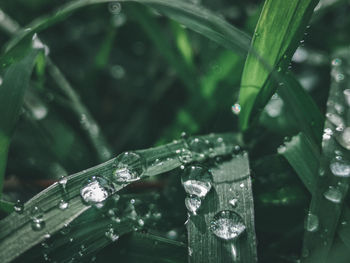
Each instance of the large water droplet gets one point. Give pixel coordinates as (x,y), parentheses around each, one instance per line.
(193,203)
(38,222)
(333,194)
(96,190)
(340,167)
(227,225)
(274,107)
(199,148)
(197,180)
(311,223)
(130,166)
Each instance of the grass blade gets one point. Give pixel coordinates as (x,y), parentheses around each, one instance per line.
(15,81)
(231,181)
(277,35)
(332,187)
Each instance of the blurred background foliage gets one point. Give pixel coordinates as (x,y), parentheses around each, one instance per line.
(145,79)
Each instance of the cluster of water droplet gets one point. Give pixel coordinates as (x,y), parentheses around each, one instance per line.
(197,182)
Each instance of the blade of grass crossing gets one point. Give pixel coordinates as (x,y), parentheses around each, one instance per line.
(332,186)
(232,192)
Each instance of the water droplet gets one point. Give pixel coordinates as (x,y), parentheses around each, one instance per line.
(114,7)
(236,108)
(197,180)
(227,225)
(141,222)
(193,203)
(333,194)
(117,71)
(38,222)
(336,62)
(18,207)
(63,205)
(111,235)
(274,107)
(96,190)
(190,251)
(130,166)
(311,223)
(339,77)
(233,202)
(340,167)
(327,134)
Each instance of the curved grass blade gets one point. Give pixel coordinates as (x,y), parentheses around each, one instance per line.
(332,186)
(16,233)
(15,81)
(277,35)
(194,17)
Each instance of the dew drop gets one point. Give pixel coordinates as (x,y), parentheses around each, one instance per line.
(38,222)
(227,225)
(18,207)
(193,203)
(197,180)
(336,62)
(340,167)
(347,96)
(274,107)
(130,166)
(63,205)
(199,148)
(333,194)
(96,190)
(311,223)
(236,108)
(233,202)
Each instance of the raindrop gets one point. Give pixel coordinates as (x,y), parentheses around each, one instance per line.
(193,203)
(236,108)
(63,182)
(38,222)
(18,207)
(327,133)
(274,107)
(63,205)
(227,225)
(333,194)
(190,251)
(130,166)
(114,8)
(340,167)
(233,202)
(197,180)
(336,62)
(311,223)
(96,190)
(111,235)
(339,77)
(117,72)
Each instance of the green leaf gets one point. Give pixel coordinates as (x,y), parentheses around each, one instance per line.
(15,81)
(277,35)
(231,181)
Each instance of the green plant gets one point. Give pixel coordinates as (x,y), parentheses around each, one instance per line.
(65,105)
